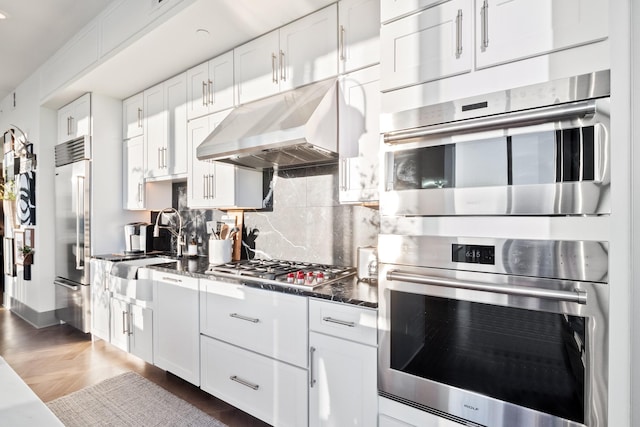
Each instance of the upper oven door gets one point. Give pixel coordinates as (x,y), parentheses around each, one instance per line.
(548,161)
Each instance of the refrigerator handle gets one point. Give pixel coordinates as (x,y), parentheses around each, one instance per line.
(79,212)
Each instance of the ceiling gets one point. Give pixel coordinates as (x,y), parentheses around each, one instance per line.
(34,30)
(169,49)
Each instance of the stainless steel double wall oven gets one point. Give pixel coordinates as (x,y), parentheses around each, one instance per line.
(486,330)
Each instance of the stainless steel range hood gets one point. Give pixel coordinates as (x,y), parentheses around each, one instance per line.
(294,128)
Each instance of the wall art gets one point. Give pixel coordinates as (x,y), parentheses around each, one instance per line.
(27,198)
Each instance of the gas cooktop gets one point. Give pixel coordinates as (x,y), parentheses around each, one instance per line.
(295,274)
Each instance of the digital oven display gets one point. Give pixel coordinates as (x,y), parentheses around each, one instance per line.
(473,254)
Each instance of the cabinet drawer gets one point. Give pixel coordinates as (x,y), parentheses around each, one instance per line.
(265,388)
(270,323)
(175,279)
(344,321)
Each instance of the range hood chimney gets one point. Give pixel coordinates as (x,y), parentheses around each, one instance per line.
(291,129)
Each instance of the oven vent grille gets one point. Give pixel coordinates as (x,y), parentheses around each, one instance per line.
(424,408)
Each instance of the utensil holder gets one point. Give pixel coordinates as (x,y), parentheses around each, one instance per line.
(220,251)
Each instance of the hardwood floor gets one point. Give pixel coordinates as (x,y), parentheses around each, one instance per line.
(58,360)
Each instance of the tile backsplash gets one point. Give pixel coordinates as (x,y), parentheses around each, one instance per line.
(305,221)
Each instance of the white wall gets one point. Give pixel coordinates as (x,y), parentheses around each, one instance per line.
(40,126)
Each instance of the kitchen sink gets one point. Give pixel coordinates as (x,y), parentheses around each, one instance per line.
(125,281)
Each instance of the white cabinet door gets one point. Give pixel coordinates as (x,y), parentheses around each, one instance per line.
(100,298)
(297,54)
(256,68)
(429,45)
(359,136)
(140,330)
(343,386)
(119,320)
(175,95)
(308,49)
(197,81)
(165,135)
(359,34)
(74,119)
(268,389)
(220,91)
(133,169)
(176,325)
(155,131)
(518,29)
(132,114)
(201,189)
(216,184)
(210,86)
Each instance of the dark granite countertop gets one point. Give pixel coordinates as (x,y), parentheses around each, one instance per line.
(350,291)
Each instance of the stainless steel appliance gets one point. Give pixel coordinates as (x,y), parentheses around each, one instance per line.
(293,128)
(537,150)
(138,237)
(495,332)
(295,274)
(72,243)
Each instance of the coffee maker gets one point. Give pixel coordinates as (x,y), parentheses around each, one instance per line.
(138,237)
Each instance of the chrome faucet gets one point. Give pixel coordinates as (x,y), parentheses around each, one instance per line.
(178,234)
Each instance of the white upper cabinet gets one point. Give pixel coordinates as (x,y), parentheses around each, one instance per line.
(165,136)
(132,116)
(133,173)
(429,45)
(210,86)
(393,9)
(74,119)
(358,34)
(302,52)
(216,184)
(359,136)
(518,29)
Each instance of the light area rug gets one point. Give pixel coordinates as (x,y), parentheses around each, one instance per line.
(128,400)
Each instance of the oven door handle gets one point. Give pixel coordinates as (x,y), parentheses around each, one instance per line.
(575,296)
(516,119)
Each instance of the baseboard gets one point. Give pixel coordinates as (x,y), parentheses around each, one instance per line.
(37,319)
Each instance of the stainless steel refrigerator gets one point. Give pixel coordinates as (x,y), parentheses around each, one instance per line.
(72,234)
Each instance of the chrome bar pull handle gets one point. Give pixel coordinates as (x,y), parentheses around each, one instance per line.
(140,192)
(210,90)
(171,279)
(130,324)
(274,68)
(124,322)
(212,187)
(312,380)
(139,117)
(342,53)
(459,34)
(575,296)
(244,382)
(339,322)
(245,318)
(484,11)
(79,216)
(204,94)
(283,68)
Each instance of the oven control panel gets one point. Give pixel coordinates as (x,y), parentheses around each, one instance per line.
(473,254)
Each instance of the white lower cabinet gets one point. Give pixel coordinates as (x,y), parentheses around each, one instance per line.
(254,350)
(131,328)
(176,328)
(100,298)
(343,388)
(268,389)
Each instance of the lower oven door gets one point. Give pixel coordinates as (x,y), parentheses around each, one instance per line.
(494,349)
